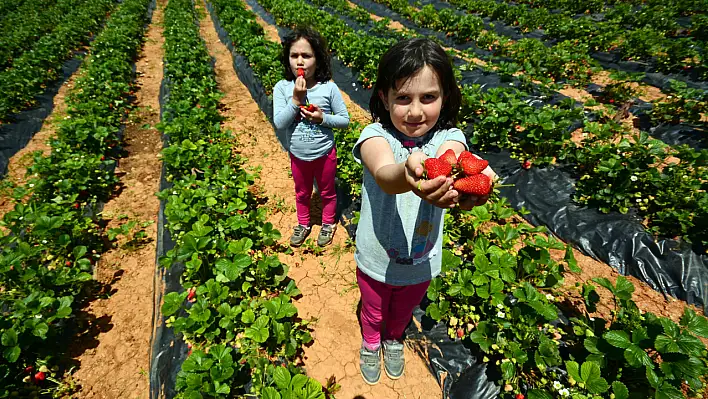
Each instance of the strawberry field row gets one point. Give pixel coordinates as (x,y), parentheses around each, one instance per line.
(236,312)
(19,36)
(645,43)
(53,236)
(499,291)
(42,63)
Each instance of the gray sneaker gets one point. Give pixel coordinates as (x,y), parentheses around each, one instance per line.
(393,359)
(326,234)
(301,232)
(370,365)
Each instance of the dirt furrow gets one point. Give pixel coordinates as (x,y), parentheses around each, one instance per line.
(114,361)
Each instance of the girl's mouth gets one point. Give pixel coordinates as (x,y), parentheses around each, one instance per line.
(413,125)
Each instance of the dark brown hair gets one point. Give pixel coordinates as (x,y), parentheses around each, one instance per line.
(323,68)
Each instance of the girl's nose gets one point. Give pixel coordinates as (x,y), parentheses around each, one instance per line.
(415,109)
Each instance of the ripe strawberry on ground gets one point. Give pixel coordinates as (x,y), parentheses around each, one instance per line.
(519,396)
(449,157)
(460,333)
(479,185)
(435,167)
(472,165)
(526,164)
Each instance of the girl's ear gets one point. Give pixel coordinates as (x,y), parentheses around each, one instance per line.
(384,100)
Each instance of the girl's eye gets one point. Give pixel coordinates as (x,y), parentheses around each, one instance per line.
(401,98)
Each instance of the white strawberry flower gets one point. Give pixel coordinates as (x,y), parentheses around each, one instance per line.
(550,297)
(557,385)
(633,178)
(564,392)
(501,314)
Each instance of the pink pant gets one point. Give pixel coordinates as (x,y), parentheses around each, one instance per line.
(322,169)
(391,305)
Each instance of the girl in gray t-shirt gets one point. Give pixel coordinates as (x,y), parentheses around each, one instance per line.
(415,103)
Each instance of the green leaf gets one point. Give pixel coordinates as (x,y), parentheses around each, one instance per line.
(624,289)
(281,376)
(636,356)
(508,370)
(570,259)
(668,392)
(696,324)
(270,393)
(653,379)
(620,390)
(172,303)
(538,394)
(574,370)
(590,374)
(298,382)
(666,344)
(9,337)
(618,339)
(40,330)
(12,354)
(248,317)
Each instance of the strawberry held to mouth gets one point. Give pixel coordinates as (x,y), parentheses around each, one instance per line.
(300,72)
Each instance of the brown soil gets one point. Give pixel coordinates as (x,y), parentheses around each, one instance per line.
(115,363)
(327,281)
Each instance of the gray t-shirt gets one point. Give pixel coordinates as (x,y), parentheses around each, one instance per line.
(304,139)
(399,237)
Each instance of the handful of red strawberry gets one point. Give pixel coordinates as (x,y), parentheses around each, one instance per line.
(465,170)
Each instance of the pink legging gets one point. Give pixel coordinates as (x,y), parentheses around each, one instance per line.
(387,304)
(322,169)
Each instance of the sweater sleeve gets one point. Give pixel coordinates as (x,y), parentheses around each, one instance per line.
(284,111)
(340,116)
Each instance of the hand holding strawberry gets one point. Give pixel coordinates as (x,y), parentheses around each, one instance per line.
(312,113)
(467,172)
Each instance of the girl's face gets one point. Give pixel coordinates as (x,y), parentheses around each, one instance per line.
(302,56)
(415,106)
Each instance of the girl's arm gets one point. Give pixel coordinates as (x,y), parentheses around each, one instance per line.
(398,178)
(284,111)
(340,116)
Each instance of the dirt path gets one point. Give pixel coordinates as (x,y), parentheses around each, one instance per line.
(116,363)
(327,281)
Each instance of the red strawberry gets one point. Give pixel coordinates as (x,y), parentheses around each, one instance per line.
(449,157)
(460,333)
(519,396)
(309,107)
(471,165)
(435,167)
(612,101)
(526,164)
(76,206)
(191,293)
(301,72)
(29,369)
(476,185)
(68,263)
(39,377)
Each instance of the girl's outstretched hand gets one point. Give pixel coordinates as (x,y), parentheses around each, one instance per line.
(437,191)
(299,91)
(316,116)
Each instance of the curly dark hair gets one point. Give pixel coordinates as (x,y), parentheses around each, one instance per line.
(405,59)
(323,69)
